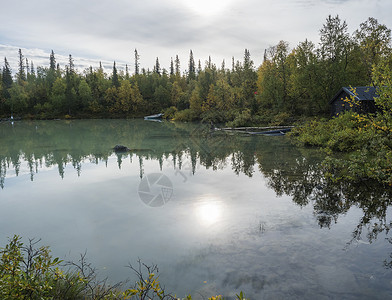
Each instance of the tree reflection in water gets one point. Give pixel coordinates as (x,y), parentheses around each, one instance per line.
(296,172)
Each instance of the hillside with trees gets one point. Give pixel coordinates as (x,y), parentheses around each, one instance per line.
(289,84)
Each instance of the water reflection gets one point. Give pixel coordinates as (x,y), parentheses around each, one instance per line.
(187,151)
(32,147)
(209,210)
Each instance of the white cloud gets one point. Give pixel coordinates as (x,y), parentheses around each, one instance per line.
(111,30)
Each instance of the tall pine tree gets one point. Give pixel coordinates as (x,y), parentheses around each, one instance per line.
(177,65)
(171,67)
(52,61)
(192,68)
(115,81)
(137,57)
(71,65)
(7,76)
(21,76)
(157,67)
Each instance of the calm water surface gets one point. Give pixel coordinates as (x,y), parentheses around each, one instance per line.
(217,212)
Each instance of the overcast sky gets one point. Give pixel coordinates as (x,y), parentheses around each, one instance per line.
(110,30)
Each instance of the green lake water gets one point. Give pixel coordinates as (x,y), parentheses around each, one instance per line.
(217,212)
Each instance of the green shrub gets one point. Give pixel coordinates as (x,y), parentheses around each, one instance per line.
(27,272)
(369,153)
(244,118)
(282,118)
(186,115)
(343,133)
(170,112)
(214,116)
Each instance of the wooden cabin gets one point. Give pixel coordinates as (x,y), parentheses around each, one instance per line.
(363,96)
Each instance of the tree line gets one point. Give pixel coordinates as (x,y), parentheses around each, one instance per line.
(290,83)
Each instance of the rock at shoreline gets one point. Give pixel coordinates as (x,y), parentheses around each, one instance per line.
(120,148)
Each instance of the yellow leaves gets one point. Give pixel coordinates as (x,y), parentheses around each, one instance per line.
(219,297)
(58,274)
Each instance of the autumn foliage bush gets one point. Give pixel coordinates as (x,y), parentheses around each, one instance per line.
(30,272)
(367,138)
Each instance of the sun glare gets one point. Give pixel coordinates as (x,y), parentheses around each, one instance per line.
(207,7)
(209,212)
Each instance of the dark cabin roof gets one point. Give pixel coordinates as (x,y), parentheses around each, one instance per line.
(361,93)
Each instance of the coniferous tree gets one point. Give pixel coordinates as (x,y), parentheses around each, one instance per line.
(126,72)
(248,63)
(137,57)
(199,69)
(209,62)
(51,75)
(265,55)
(177,65)
(68,90)
(7,75)
(71,65)
(27,67)
(171,67)
(21,73)
(32,70)
(52,61)
(115,81)
(157,67)
(7,83)
(191,67)
(223,66)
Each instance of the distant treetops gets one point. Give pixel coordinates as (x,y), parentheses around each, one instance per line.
(289,83)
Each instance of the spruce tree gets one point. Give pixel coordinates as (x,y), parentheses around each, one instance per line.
(6,79)
(51,75)
(115,81)
(177,65)
(223,67)
(52,61)
(27,67)
(136,62)
(71,65)
(126,72)
(7,75)
(157,67)
(248,63)
(192,69)
(171,67)
(32,70)
(21,73)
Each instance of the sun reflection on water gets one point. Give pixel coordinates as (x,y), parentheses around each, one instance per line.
(209,211)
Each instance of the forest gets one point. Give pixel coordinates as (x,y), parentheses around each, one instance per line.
(290,84)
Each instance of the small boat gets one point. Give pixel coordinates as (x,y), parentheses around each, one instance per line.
(276,132)
(154,117)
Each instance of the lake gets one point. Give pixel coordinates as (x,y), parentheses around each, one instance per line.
(218,212)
